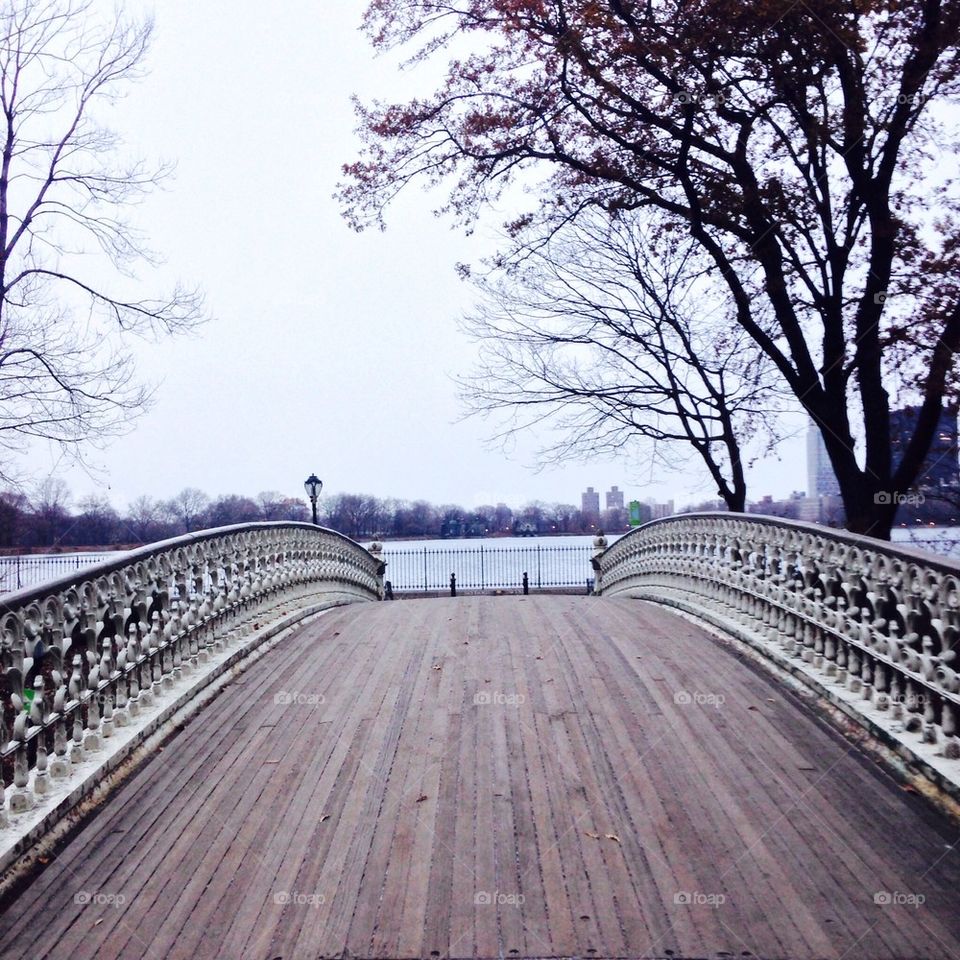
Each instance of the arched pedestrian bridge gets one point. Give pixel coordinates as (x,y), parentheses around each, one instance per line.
(745,747)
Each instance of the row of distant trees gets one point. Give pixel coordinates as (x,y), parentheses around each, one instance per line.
(48,518)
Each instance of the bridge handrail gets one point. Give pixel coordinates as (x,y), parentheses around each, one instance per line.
(882,620)
(81,653)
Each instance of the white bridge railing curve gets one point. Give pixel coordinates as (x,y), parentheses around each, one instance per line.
(82,654)
(882,621)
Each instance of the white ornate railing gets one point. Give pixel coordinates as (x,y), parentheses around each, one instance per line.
(83,654)
(882,621)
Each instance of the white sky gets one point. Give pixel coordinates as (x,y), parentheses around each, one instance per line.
(330,351)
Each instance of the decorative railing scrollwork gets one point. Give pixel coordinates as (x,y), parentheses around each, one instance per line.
(86,653)
(881,620)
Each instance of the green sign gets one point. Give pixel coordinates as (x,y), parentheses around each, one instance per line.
(635,520)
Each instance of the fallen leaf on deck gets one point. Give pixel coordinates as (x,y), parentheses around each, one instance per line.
(771,700)
(751,708)
(592,836)
(437,666)
(612,836)
(907,788)
(326,816)
(421,798)
(96,922)
(43,859)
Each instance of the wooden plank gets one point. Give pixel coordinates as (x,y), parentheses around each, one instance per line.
(399,803)
(358,705)
(610,839)
(756,880)
(462,936)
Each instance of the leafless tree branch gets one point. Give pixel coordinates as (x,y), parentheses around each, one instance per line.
(66,374)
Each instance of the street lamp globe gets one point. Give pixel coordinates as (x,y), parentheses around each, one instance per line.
(313,485)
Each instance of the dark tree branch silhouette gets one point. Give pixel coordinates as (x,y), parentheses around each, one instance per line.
(620,340)
(68,254)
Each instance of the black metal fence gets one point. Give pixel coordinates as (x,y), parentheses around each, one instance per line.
(33,569)
(485,567)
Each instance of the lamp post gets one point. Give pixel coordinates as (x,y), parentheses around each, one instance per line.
(313,486)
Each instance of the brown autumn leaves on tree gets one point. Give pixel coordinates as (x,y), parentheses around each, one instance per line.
(807,148)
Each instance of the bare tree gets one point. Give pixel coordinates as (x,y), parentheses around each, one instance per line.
(188,508)
(66,373)
(51,510)
(232,508)
(145,518)
(96,523)
(273,505)
(14,508)
(616,340)
(355,514)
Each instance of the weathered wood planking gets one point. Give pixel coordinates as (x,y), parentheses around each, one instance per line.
(500,777)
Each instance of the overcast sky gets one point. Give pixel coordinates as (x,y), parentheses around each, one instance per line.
(329,351)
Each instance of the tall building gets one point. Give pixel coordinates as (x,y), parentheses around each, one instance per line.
(659,510)
(940,467)
(590,502)
(614,498)
(821,480)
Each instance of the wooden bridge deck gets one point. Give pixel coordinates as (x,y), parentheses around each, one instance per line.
(500,777)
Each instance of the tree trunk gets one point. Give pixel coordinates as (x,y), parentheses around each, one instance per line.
(869,504)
